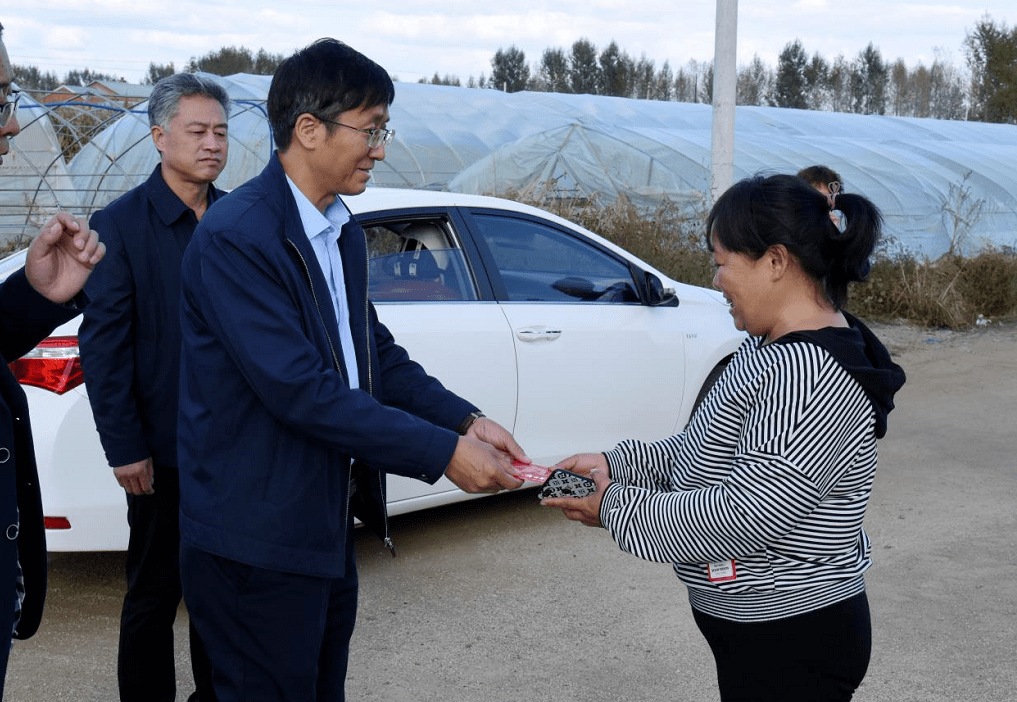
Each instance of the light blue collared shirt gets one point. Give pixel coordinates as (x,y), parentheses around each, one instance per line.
(323,231)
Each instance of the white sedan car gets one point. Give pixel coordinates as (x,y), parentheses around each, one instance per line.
(560,336)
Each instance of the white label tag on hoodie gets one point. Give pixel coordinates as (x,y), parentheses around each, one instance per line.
(722,571)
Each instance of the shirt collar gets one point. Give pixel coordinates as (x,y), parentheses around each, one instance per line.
(166,202)
(314,222)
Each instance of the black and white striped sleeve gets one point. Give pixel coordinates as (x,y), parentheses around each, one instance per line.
(780,435)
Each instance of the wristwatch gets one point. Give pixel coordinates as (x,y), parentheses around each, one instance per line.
(468,422)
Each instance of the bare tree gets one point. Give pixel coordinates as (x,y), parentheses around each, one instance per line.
(869,77)
(817,82)
(867,84)
(686,82)
(706,83)
(644,80)
(839,84)
(157,72)
(753,86)
(231,59)
(31,78)
(948,96)
(85,76)
(901,93)
(992,57)
(442,80)
(665,83)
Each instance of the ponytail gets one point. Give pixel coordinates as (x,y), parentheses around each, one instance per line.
(848,251)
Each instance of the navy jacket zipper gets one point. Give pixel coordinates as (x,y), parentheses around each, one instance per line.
(387,540)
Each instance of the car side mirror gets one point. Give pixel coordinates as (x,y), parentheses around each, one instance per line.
(655,294)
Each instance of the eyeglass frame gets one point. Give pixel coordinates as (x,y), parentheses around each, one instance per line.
(379,135)
(9,108)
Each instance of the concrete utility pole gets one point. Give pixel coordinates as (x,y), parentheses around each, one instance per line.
(725,79)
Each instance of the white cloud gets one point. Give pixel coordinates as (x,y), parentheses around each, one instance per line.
(67,39)
(416,38)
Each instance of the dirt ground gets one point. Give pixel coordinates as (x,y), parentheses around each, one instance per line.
(500,600)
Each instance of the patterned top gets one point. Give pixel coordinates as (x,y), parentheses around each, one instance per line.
(759,502)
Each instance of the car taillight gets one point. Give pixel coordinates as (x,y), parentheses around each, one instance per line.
(53,365)
(56,522)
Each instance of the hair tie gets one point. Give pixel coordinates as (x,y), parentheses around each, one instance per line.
(834,189)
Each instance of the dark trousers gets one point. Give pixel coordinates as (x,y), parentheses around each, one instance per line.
(145,663)
(820,656)
(271,636)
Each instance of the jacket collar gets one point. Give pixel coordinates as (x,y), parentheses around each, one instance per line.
(166,203)
(353,251)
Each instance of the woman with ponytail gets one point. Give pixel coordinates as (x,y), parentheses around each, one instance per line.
(759,502)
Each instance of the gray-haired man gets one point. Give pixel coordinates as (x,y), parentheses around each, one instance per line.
(130,353)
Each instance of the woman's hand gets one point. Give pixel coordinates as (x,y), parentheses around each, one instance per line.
(583,463)
(582,509)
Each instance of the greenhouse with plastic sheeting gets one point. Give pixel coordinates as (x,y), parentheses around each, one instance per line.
(942,185)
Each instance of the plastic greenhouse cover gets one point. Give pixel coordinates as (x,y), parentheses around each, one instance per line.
(489,142)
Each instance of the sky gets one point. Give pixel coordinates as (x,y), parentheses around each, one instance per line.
(415,39)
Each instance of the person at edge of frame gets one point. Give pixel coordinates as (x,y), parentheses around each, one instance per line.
(34,300)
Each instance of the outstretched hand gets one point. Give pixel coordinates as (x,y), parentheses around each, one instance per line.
(477,466)
(489,431)
(62,256)
(482,461)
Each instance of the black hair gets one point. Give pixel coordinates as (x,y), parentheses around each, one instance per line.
(324,79)
(763,211)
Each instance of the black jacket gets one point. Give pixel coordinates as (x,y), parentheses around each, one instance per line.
(130,334)
(26,318)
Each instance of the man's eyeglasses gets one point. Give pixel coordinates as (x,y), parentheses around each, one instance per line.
(375,137)
(9,107)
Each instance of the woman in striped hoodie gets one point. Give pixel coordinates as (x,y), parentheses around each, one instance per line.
(759,502)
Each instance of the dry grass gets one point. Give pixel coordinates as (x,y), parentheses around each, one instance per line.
(951,292)
(9,247)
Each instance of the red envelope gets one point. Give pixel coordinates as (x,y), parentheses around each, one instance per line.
(531,471)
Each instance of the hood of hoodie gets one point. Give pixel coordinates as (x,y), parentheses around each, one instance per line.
(865,358)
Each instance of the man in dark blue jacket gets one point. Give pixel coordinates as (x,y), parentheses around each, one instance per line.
(34,301)
(130,354)
(295,400)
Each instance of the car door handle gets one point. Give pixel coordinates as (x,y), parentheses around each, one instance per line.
(537,334)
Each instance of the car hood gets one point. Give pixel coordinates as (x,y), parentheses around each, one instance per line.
(11,263)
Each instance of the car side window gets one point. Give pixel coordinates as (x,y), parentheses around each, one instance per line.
(416,261)
(539,263)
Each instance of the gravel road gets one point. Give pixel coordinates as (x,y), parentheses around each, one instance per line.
(501,600)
